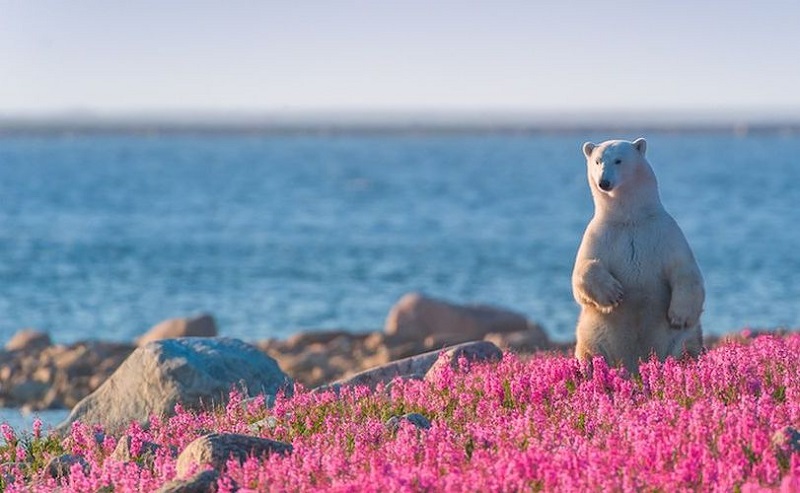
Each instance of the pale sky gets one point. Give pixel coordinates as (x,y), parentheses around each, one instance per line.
(236,55)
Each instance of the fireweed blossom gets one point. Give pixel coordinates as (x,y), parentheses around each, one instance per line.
(728,421)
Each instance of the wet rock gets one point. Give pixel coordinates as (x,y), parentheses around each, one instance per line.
(416,316)
(197,372)
(216,449)
(28,340)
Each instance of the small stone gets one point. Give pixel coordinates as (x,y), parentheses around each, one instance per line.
(10,471)
(28,340)
(416,316)
(43,374)
(58,467)
(416,419)
(267,423)
(526,341)
(29,391)
(147,452)
(375,341)
(70,357)
(787,437)
(301,340)
(201,326)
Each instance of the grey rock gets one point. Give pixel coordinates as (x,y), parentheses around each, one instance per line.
(787,437)
(145,456)
(525,341)
(10,471)
(416,316)
(387,390)
(472,352)
(303,339)
(418,365)
(200,326)
(202,482)
(29,391)
(59,467)
(267,423)
(216,449)
(416,419)
(197,372)
(413,365)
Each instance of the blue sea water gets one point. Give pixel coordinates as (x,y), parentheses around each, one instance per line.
(103,236)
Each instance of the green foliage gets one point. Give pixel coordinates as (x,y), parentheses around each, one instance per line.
(42,449)
(508,396)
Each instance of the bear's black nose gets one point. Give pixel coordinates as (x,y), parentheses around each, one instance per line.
(604,185)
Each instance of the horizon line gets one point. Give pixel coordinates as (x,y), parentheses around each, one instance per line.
(397,121)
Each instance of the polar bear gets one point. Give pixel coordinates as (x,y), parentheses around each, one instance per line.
(635,277)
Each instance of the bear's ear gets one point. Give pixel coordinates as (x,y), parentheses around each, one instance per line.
(588,147)
(640,145)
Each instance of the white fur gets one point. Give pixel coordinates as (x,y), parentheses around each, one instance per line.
(635,277)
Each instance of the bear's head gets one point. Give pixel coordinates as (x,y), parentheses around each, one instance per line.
(615,164)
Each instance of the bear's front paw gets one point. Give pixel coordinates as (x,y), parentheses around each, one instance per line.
(606,293)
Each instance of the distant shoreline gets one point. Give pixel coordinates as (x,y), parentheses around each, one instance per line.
(374,126)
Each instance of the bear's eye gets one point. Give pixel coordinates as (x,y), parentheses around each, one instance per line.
(618,161)
(597,162)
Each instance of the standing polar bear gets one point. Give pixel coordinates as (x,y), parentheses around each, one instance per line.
(635,278)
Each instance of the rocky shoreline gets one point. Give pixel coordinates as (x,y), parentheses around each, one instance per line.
(37,374)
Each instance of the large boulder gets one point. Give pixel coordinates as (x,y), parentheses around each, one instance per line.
(200,326)
(420,365)
(416,317)
(216,449)
(202,482)
(472,352)
(197,372)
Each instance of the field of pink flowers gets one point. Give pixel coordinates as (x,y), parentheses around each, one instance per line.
(725,422)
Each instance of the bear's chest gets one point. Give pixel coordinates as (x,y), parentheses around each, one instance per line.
(635,256)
